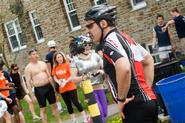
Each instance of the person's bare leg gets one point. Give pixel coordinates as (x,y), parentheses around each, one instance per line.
(56,112)
(16,110)
(59,106)
(18,102)
(22,119)
(31,107)
(7,117)
(43,114)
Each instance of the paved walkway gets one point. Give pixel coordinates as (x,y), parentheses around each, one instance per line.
(112,110)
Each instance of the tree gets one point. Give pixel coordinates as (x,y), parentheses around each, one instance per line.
(2,42)
(16,7)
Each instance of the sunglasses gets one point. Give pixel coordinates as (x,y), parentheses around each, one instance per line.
(88,44)
(89,26)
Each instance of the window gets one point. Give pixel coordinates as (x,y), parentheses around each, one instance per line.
(36,26)
(72,14)
(15,36)
(98,2)
(138,4)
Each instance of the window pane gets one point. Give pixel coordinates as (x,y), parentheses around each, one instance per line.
(39,32)
(10,28)
(14,42)
(71,6)
(34,15)
(74,19)
(67,1)
(36,21)
(98,2)
(150,48)
(18,26)
(21,39)
(137,1)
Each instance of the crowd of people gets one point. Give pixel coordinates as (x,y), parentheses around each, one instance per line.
(122,63)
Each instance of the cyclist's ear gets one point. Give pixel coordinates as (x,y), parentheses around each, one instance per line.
(103,23)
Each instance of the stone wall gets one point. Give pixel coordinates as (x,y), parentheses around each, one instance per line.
(55,25)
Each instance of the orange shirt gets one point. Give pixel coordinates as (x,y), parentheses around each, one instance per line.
(3,85)
(62,71)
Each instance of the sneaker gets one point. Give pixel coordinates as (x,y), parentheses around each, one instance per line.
(60,111)
(85,121)
(36,118)
(74,121)
(162,117)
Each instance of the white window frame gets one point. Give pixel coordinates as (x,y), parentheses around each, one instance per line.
(33,26)
(16,34)
(70,22)
(138,6)
(95,1)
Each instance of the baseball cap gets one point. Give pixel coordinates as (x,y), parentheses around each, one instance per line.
(51,43)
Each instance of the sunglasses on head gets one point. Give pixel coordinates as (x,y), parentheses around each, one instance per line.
(89,26)
(32,50)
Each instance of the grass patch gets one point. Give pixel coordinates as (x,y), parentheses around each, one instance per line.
(64,115)
(114,119)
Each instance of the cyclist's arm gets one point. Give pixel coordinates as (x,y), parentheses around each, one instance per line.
(123,76)
(122,68)
(148,65)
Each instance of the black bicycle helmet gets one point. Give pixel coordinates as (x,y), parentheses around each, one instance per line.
(77,45)
(99,12)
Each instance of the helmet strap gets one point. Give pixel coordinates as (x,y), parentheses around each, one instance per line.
(98,23)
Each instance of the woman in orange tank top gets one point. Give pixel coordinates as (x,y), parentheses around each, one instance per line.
(67,88)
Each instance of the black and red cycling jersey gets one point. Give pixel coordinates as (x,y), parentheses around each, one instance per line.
(117,45)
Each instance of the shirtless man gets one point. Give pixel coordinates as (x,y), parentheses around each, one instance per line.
(38,76)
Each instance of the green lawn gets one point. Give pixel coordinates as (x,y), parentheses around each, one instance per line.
(114,119)
(117,119)
(64,115)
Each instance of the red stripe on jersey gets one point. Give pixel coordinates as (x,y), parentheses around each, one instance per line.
(129,39)
(142,82)
(108,58)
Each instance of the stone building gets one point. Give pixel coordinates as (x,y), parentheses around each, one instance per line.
(32,23)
